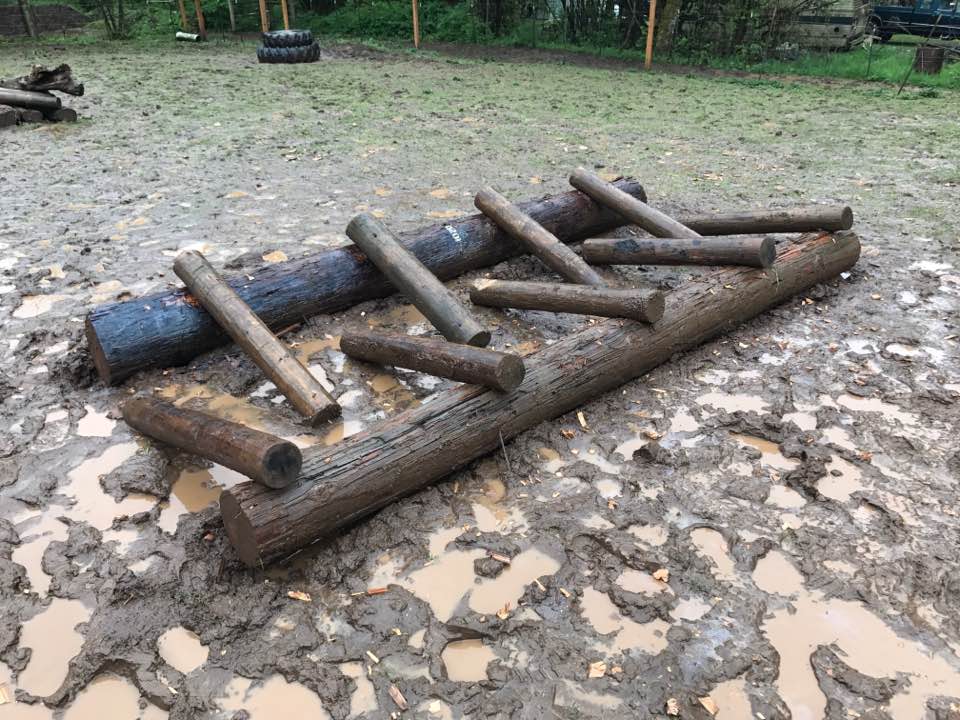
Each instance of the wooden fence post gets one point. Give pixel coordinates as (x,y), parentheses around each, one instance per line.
(651,21)
(286,14)
(201,22)
(416,24)
(264,20)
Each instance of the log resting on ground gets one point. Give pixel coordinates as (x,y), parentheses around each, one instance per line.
(170,328)
(29,99)
(342,484)
(8,116)
(806,218)
(748,250)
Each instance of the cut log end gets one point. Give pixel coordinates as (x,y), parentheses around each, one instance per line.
(240,530)
(510,373)
(281,465)
(100,361)
(768,252)
(328,411)
(652,308)
(480,339)
(846,218)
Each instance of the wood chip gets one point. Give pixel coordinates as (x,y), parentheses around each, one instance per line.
(673,707)
(500,558)
(663,575)
(6,695)
(582,419)
(396,631)
(376,591)
(275,256)
(398,697)
(373,657)
(709,705)
(539,584)
(568,434)
(565,592)
(504,612)
(298,595)
(596,669)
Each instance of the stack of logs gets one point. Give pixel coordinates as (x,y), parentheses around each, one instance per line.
(28,99)
(296,500)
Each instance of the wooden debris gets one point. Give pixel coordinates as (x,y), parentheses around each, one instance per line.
(673,707)
(403,454)
(398,697)
(479,366)
(751,251)
(268,459)
(537,239)
(377,591)
(504,612)
(709,704)
(373,657)
(663,575)
(596,669)
(8,116)
(26,115)
(275,359)
(41,79)
(299,595)
(414,279)
(809,218)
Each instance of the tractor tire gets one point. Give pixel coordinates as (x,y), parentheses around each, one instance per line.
(287,38)
(289,55)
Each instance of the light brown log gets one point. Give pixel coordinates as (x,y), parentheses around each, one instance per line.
(264,18)
(285,13)
(645,305)
(416,23)
(479,366)
(29,99)
(639,213)
(340,485)
(750,251)
(806,218)
(275,359)
(538,240)
(270,460)
(440,306)
(201,21)
(184,22)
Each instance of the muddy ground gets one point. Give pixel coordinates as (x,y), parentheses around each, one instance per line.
(796,478)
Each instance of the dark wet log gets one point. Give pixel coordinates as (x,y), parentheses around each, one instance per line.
(727,250)
(29,99)
(26,115)
(340,485)
(411,277)
(809,218)
(636,211)
(165,329)
(8,116)
(478,366)
(59,78)
(645,305)
(277,361)
(270,460)
(538,240)
(62,115)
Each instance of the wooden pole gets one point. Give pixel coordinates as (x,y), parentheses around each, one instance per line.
(440,306)
(416,24)
(29,99)
(166,328)
(201,22)
(478,366)
(645,305)
(233,16)
(184,22)
(340,485)
(277,361)
(757,222)
(285,13)
(730,250)
(271,461)
(651,21)
(554,254)
(639,213)
(264,18)
(28,21)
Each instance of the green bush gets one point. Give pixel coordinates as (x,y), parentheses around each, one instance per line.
(391,20)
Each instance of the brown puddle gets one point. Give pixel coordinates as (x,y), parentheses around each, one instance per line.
(774,573)
(364,697)
(840,487)
(492,594)
(733,402)
(876,405)
(654,535)
(443,583)
(622,632)
(304,350)
(33,305)
(712,544)
(41,531)
(785,497)
(194,490)
(690,609)
(636,581)
(95,424)
(271,699)
(222,405)
(770,452)
(405,315)
(343,429)
(732,701)
(110,697)
(467,660)
(53,640)
(182,650)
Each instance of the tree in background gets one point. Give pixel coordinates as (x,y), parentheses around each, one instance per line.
(27,13)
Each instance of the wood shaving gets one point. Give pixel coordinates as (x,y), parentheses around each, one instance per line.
(299,595)
(398,697)
(596,669)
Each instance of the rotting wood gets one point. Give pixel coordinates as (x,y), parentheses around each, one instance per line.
(438,304)
(29,99)
(537,239)
(479,366)
(270,460)
(275,359)
(632,209)
(805,218)
(42,79)
(747,250)
(167,328)
(340,485)
(643,304)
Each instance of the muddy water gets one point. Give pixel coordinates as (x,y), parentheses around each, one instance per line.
(182,650)
(492,594)
(53,641)
(690,609)
(770,452)
(92,504)
(193,490)
(364,697)
(95,424)
(272,699)
(621,632)
(774,573)
(32,306)
(654,535)
(712,544)
(467,660)
(636,581)
(36,533)
(785,497)
(840,487)
(732,701)
(341,430)
(110,697)
(733,402)
(444,582)
(875,405)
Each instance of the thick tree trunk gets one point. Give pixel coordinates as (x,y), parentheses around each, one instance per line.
(667,26)
(169,328)
(340,485)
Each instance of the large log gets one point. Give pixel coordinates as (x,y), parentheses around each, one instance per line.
(342,484)
(29,99)
(275,359)
(169,328)
(59,78)
(748,250)
(8,116)
(806,218)
(430,296)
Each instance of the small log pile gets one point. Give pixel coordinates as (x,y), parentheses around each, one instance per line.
(288,506)
(28,99)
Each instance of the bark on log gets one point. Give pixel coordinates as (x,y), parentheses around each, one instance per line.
(430,296)
(43,79)
(729,250)
(645,305)
(26,115)
(478,366)
(270,460)
(29,99)
(636,211)
(342,484)
(64,114)
(8,116)
(809,218)
(537,239)
(165,329)
(272,356)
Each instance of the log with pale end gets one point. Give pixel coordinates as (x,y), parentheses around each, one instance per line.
(270,460)
(478,366)
(805,218)
(749,251)
(643,304)
(340,485)
(275,359)
(29,99)
(440,306)
(639,213)
(537,239)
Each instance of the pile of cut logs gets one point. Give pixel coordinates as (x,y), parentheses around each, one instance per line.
(28,99)
(296,498)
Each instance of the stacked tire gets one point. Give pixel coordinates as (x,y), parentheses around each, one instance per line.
(288,46)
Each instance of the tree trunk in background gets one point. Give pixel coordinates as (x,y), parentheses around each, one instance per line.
(666,26)
(27,17)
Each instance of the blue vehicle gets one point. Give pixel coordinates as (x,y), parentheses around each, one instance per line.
(936,18)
